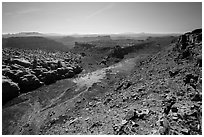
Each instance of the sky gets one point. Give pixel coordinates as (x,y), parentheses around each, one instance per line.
(100,17)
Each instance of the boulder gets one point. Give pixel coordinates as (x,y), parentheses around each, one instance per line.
(53,64)
(59,64)
(39,71)
(10,90)
(70,68)
(10,74)
(44,64)
(17,53)
(34,63)
(7,61)
(77,69)
(4,66)
(22,62)
(130,115)
(48,77)
(69,74)
(67,59)
(20,74)
(16,66)
(103,62)
(5,70)
(29,82)
(64,72)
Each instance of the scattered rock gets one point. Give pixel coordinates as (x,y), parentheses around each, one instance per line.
(123,85)
(96,124)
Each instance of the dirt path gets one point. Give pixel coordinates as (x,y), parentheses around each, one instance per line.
(94,77)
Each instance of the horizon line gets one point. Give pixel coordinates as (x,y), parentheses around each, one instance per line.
(125,33)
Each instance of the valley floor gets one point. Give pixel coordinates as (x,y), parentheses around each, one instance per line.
(34,108)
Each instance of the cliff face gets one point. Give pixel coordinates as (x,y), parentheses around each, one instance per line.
(189,46)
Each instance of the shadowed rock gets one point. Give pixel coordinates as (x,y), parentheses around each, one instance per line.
(22,62)
(10,90)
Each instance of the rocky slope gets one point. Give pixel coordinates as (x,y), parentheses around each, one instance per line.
(163,95)
(148,94)
(97,54)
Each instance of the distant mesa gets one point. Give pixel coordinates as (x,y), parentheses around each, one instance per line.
(33,43)
(23,34)
(52,41)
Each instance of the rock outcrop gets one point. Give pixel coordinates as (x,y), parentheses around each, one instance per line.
(30,69)
(189,46)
